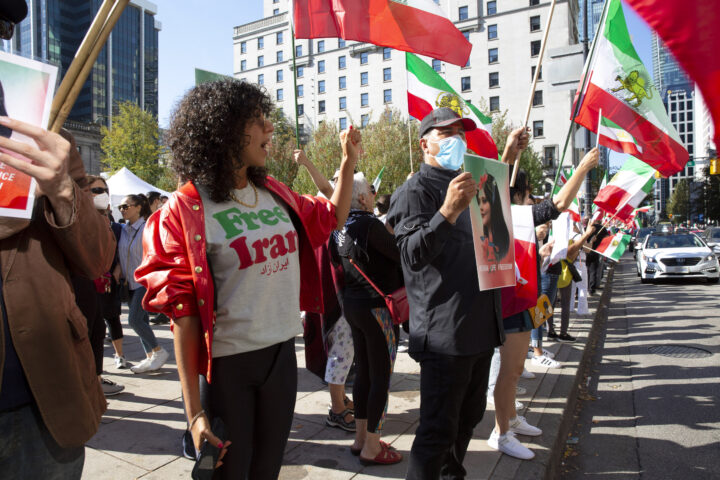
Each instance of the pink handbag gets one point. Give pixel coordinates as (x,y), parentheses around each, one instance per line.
(396,301)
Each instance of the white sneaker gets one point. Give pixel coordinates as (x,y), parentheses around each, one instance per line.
(120,361)
(527,374)
(142,367)
(158,359)
(509,445)
(520,390)
(545,361)
(520,425)
(548,354)
(491,403)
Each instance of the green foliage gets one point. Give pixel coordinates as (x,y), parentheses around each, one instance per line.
(325,152)
(281,164)
(711,195)
(132,142)
(679,202)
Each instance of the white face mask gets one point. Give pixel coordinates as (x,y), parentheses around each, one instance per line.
(101,201)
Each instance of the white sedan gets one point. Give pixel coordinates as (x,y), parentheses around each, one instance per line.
(676,256)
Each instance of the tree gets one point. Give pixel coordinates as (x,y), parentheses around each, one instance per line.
(711,196)
(281,164)
(325,152)
(679,202)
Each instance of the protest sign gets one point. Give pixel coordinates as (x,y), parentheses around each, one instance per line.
(26,92)
(492,222)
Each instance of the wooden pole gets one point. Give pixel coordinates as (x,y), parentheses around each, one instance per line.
(410,144)
(77,85)
(534,84)
(294,74)
(80,58)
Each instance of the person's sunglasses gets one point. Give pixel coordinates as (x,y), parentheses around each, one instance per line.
(99,190)
(124,206)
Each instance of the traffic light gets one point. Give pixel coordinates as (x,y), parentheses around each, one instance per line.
(715,166)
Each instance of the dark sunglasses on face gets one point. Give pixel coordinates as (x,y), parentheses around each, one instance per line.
(124,206)
(99,190)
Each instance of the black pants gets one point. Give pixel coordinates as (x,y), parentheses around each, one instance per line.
(595,270)
(254,395)
(452,402)
(373,364)
(111,308)
(87,299)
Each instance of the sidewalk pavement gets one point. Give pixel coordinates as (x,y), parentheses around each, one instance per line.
(140,434)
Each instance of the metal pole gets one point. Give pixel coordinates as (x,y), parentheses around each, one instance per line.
(586,52)
(410,144)
(297,121)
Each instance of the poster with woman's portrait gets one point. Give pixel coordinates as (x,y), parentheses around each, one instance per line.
(491,218)
(26,92)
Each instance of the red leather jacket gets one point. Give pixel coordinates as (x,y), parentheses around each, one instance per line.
(175,267)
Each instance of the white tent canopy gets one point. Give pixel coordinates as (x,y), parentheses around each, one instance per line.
(125,183)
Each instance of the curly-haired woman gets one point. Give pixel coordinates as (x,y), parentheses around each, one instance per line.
(224,258)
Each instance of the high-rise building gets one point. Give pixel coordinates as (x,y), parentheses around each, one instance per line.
(353,82)
(594,9)
(126,68)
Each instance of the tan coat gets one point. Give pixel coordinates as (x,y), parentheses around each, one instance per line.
(48,330)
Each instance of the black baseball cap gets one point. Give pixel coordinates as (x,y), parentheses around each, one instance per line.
(442,117)
(13,10)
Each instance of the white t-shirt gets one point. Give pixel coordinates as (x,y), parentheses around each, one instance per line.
(255,262)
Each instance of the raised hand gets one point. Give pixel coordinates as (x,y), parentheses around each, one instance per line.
(459,194)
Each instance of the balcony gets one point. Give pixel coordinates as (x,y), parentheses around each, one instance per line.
(359,48)
(261,24)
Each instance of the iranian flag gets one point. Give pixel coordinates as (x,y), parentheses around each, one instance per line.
(614,246)
(418,26)
(524,294)
(627,189)
(378,180)
(574,208)
(427,91)
(620,85)
(612,136)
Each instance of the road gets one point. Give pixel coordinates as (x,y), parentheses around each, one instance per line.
(645,415)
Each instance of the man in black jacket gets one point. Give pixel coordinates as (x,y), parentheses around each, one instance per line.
(454,327)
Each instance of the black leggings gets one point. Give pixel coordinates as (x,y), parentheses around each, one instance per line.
(373,361)
(111,309)
(254,395)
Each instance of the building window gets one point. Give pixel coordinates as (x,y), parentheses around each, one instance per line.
(243,65)
(492,32)
(535,23)
(532,73)
(537,98)
(321,66)
(321,86)
(300,109)
(298,50)
(437,65)
(386,53)
(364,120)
(279,56)
(321,46)
(261,42)
(463,13)
(279,94)
(342,83)
(673,117)
(300,72)
(279,38)
(682,128)
(300,91)
(342,103)
(549,156)
(387,96)
(261,79)
(491,8)
(341,42)
(682,116)
(538,130)
(494,79)
(279,76)
(466,34)
(673,106)
(321,106)
(387,74)
(342,62)
(494,104)
(363,58)
(343,123)
(276,11)
(689,116)
(492,55)
(535,48)
(243,47)
(689,104)
(534,2)
(261,61)
(364,99)
(363,78)
(465,84)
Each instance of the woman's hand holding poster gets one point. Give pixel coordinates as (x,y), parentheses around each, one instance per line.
(26,92)
(492,222)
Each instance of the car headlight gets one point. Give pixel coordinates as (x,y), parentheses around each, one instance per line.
(649,259)
(710,258)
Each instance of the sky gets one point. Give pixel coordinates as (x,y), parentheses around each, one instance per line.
(198,33)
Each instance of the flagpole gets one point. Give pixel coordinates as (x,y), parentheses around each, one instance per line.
(597,135)
(534,85)
(297,120)
(410,144)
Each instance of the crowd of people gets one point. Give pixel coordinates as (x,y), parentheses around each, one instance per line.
(234,256)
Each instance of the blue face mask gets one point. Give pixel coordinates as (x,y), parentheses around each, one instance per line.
(452,152)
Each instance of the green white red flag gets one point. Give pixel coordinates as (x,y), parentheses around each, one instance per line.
(378,180)
(574,208)
(612,136)
(627,189)
(427,91)
(614,246)
(418,26)
(616,82)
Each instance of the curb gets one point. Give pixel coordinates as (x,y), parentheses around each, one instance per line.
(579,383)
